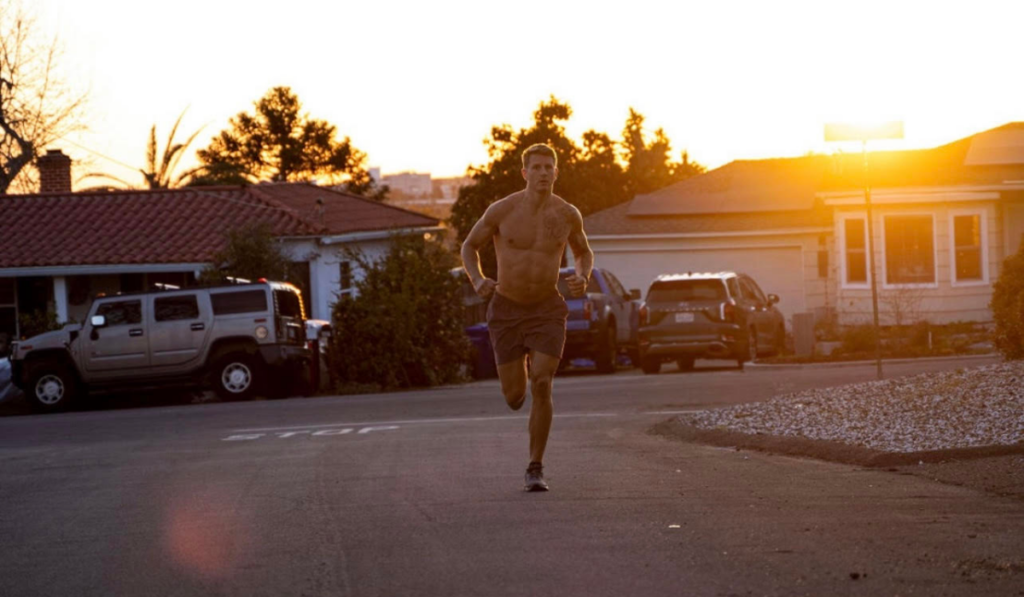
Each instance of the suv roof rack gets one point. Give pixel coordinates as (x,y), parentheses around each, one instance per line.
(695,276)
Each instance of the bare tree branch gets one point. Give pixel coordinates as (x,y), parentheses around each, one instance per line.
(37,105)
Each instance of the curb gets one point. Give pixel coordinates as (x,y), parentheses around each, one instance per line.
(822,449)
(863,363)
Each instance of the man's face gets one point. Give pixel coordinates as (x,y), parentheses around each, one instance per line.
(540,172)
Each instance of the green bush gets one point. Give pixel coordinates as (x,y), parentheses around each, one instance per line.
(33,323)
(404,326)
(858,338)
(1008,307)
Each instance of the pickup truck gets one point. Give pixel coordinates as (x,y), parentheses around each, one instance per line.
(602,323)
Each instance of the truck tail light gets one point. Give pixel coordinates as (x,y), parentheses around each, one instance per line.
(644,314)
(728,311)
(588,310)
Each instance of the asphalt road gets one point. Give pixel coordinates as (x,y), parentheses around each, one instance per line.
(418,493)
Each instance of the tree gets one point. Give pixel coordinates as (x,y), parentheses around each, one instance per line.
(278,142)
(591,176)
(648,165)
(37,105)
(159,170)
(404,326)
(251,252)
(1008,306)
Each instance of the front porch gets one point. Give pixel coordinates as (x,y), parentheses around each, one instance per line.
(35,299)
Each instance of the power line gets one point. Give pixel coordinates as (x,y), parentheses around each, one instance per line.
(106,157)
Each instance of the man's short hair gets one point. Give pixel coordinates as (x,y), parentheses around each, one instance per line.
(539,149)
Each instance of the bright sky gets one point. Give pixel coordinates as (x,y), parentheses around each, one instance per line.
(417,85)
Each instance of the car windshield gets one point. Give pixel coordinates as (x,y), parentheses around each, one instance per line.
(677,291)
(563,284)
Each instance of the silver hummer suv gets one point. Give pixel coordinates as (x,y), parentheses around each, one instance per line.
(241,339)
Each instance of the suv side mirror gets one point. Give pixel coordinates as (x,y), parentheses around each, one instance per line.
(98,321)
(634,294)
(772,299)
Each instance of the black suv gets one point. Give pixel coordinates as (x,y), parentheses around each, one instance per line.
(721,315)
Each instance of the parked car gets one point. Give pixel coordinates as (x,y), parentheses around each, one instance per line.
(721,315)
(240,339)
(603,323)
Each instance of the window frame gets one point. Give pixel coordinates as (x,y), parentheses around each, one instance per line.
(980,213)
(162,297)
(350,289)
(884,253)
(841,233)
(122,301)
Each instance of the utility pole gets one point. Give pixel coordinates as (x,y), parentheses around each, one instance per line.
(863,133)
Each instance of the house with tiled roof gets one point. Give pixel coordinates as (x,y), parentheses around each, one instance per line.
(59,248)
(943,220)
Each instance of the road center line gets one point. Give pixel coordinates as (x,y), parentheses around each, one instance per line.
(414,421)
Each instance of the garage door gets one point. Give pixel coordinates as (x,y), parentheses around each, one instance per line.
(777,270)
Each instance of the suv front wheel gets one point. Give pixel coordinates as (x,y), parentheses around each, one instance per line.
(236,376)
(52,387)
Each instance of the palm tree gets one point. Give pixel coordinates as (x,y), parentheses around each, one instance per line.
(159,170)
(161,175)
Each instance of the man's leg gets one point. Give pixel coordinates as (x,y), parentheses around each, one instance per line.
(542,375)
(513,382)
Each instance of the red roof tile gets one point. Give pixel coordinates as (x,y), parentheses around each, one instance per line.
(340,212)
(133,227)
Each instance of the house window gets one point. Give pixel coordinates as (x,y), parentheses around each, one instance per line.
(856,251)
(967,247)
(345,276)
(909,250)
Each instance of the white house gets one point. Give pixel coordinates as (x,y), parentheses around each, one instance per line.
(59,248)
(943,220)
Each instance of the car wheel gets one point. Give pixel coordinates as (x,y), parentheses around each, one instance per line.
(608,350)
(236,377)
(685,363)
(52,387)
(650,365)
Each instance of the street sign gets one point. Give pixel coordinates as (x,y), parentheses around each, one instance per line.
(864,132)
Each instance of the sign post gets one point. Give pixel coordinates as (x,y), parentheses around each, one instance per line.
(864,133)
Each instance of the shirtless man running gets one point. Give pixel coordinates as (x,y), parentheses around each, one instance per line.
(526,314)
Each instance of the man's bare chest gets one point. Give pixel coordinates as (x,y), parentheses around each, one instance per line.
(547,230)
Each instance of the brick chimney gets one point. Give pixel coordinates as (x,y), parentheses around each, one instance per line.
(54,172)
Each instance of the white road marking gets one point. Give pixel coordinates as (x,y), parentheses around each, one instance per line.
(319,433)
(333,431)
(415,421)
(380,428)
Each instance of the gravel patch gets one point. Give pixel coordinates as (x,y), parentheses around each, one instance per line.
(966,408)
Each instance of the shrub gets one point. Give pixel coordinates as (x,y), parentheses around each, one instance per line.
(858,338)
(404,327)
(1008,307)
(33,323)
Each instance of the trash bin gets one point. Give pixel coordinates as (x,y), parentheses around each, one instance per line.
(318,334)
(483,361)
